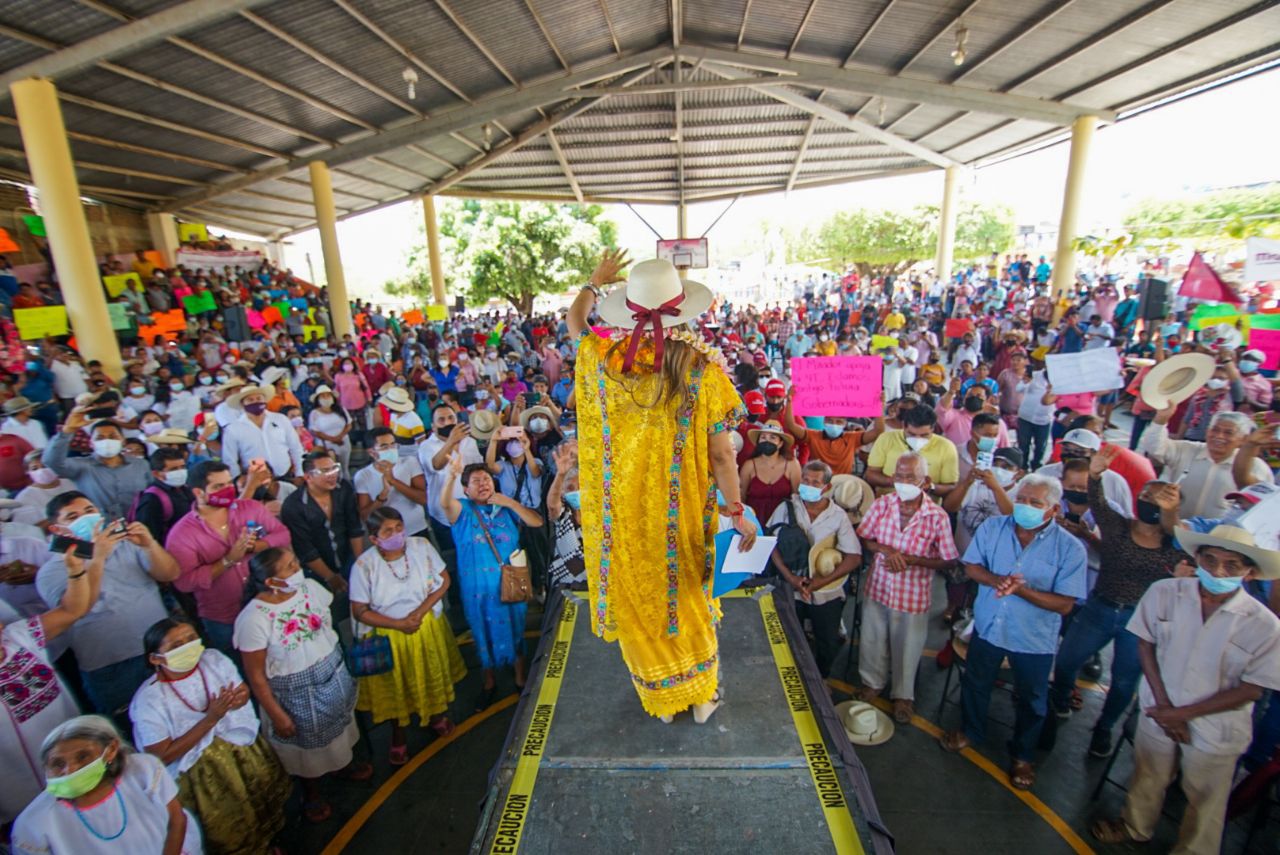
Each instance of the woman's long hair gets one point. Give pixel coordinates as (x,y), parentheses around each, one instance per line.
(678,361)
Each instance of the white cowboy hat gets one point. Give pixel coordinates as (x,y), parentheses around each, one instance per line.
(270,375)
(236,399)
(528,414)
(17,404)
(1176,379)
(322,389)
(170,436)
(397,400)
(823,560)
(852,493)
(651,284)
(484,424)
(864,724)
(1234,539)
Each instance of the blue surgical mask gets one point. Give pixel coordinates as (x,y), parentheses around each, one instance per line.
(833,431)
(389,455)
(573,499)
(1028,516)
(809,493)
(1216,584)
(82,527)
(987,443)
(1248,366)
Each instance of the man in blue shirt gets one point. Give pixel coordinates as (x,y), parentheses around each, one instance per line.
(1030,572)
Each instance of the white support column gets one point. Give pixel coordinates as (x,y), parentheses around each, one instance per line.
(947,224)
(1064,263)
(327,223)
(164,236)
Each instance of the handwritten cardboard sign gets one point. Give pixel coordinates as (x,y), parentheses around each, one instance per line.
(957,327)
(40,322)
(115,285)
(197,303)
(310,331)
(838,385)
(119,313)
(412,317)
(1096,370)
(437,313)
(1267,341)
(882,341)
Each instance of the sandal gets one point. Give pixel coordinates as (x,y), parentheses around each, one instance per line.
(399,755)
(866,694)
(1113,831)
(317,811)
(1022,775)
(443,726)
(354,771)
(954,741)
(702,712)
(1077,700)
(903,709)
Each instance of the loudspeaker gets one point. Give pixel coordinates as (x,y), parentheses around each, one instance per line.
(1153,300)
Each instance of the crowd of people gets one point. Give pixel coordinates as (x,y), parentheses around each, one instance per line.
(192,551)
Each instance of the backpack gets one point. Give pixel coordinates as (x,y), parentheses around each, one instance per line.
(166,504)
(792,546)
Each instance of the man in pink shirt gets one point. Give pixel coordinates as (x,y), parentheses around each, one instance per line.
(1257,389)
(956,423)
(213,544)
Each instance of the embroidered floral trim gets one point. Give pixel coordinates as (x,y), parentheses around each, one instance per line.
(731,420)
(298,623)
(606,520)
(673,499)
(671,682)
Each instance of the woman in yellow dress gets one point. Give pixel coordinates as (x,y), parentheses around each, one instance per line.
(656,409)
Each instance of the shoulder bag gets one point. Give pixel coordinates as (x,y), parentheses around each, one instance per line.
(516,585)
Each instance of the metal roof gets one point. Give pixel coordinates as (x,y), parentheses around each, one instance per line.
(212,109)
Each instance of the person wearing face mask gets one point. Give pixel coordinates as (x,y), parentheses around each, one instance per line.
(297,675)
(397,592)
(331,426)
(108,650)
(393,480)
(957,423)
(136,396)
(1257,390)
(1083,444)
(519,471)
(183,405)
(772,473)
(108,478)
(917,434)
(1030,572)
(1136,554)
(1208,650)
(911,539)
(353,394)
(567,565)
(323,519)
(213,542)
(448,438)
(194,714)
(376,373)
(444,373)
(94,787)
(834,444)
(1213,398)
(260,434)
(45,484)
(819,598)
(168,498)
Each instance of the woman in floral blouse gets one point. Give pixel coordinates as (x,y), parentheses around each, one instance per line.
(294,666)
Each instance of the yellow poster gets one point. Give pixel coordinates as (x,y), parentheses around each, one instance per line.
(310,331)
(38,323)
(116,284)
(880,341)
(188,232)
(437,313)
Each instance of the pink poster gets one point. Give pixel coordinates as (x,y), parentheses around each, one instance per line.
(1267,341)
(838,385)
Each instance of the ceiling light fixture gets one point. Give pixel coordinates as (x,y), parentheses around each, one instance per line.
(962,35)
(488,136)
(411,80)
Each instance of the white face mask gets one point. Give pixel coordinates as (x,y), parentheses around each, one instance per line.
(916,443)
(176,477)
(907,492)
(106,448)
(1004,477)
(1217,383)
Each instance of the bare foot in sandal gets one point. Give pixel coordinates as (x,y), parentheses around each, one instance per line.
(1022,775)
(954,741)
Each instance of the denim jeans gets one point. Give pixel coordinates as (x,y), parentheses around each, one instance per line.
(1029,434)
(219,636)
(111,687)
(1030,686)
(1266,732)
(1094,624)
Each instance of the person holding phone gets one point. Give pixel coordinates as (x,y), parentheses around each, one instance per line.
(109,478)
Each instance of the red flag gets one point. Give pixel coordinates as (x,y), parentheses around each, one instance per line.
(1201,282)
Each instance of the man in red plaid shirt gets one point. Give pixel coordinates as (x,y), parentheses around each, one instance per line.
(910,537)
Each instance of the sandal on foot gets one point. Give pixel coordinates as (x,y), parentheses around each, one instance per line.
(903,709)
(1077,700)
(443,726)
(1022,775)
(866,694)
(355,771)
(399,755)
(702,712)
(1113,831)
(954,741)
(317,811)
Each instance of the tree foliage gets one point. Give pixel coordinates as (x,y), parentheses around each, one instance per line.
(884,241)
(1225,217)
(513,251)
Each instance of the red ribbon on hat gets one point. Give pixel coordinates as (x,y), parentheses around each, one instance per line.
(645,316)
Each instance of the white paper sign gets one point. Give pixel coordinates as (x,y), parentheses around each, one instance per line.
(1263,522)
(753,560)
(1087,371)
(1262,260)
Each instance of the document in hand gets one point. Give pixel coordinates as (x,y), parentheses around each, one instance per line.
(733,566)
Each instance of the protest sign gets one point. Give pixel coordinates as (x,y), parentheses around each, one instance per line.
(310,331)
(283,308)
(7,244)
(838,385)
(879,341)
(40,322)
(299,303)
(957,327)
(1208,314)
(197,303)
(1267,341)
(412,317)
(216,260)
(271,315)
(254,317)
(1096,370)
(34,224)
(119,313)
(1262,259)
(437,313)
(163,325)
(192,232)
(115,285)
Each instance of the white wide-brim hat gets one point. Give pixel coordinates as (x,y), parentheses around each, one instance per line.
(1233,539)
(864,724)
(397,400)
(651,284)
(1176,379)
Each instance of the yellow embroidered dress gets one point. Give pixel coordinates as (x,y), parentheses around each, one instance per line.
(648,507)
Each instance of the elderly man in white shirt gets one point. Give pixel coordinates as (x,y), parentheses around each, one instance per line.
(1202,469)
(1081,443)
(260,434)
(18,422)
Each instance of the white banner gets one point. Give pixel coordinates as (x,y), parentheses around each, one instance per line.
(1262,260)
(1095,370)
(215,261)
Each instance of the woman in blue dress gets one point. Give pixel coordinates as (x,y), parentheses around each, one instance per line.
(486,515)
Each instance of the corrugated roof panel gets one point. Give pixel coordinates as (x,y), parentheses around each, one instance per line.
(906,28)
(14,53)
(774,23)
(57,20)
(384,179)
(835,27)
(1001,133)
(508,23)
(640,24)
(579,28)
(715,22)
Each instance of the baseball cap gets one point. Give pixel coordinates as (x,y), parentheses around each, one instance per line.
(1010,455)
(1255,355)
(775,388)
(1083,438)
(755,402)
(1254,493)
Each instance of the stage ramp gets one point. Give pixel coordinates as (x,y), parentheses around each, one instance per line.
(585,771)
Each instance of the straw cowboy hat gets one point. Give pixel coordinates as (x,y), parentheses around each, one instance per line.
(1176,379)
(170,436)
(236,398)
(17,404)
(270,375)
(397,400)
(230,386)
(771,428)
(823,559)
(1235,539)
(322,389)
(852,493)
(484,424)
(864,724)
(653,299)
(527,416)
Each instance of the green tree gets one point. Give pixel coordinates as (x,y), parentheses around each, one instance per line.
(1214,220)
